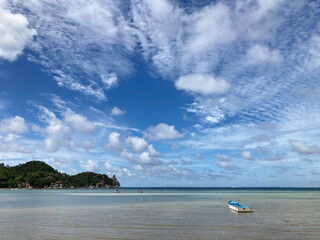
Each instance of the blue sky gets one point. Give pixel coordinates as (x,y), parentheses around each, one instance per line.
(164,93)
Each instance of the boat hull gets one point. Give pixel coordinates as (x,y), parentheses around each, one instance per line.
(242,210)
(234,206)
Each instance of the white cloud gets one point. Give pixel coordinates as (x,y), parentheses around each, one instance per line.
(202,83)
(169,172)
(119,171)
(146,158)
(223,137)
(255,20)
(152,152)
(64,164)
(214,119)
(303,149)
(114,143)
(211,110)
(162,131)
(14,32)
(57,132)
(137,167)
(195,40)
(90,166)
(108,166)
(260,54)
(246,155)
(128,155)
(87,145)
(159,30)
(264,7)
(117,111)
(10,137)
(13,125)
(225,162)
(14,147)
(10,144)
(67,81)
(211,26)
(150,156)
(110,80)
(79,122)
(138,144)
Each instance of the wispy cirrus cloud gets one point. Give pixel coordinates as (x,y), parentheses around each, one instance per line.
(76,40)
(174,39)
(159,28)
(260,55)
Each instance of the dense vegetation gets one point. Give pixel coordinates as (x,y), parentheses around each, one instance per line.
(86,179)
(38,174)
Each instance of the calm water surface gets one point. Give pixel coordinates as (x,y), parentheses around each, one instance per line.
(158,214)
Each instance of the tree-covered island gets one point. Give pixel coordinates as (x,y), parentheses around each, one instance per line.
(37,174)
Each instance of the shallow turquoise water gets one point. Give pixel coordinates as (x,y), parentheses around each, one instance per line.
(158,214)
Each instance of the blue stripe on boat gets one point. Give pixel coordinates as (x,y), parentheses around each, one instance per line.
(233,203)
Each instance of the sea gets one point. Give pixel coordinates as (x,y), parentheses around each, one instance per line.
(160,213)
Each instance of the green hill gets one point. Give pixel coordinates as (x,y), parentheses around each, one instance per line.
(37,174)
(87,179)
(34,166)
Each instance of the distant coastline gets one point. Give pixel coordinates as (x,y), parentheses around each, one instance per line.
(39,175)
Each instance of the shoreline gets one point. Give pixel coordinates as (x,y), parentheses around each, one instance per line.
(7,189)
(179,188)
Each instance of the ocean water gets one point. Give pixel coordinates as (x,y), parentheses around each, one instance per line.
(159,214)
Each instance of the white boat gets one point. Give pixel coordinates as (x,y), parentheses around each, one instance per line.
(140,191)
(239,207)
(116,191)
